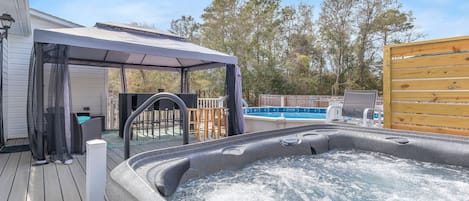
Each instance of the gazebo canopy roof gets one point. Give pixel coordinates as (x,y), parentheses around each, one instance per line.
(116,45)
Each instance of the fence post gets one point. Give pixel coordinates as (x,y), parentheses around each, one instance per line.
(282,101)
(95,170)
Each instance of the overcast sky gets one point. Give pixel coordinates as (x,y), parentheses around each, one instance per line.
(435,18)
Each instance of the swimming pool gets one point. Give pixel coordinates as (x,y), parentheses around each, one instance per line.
(268,118)
(291,115)
(377,163)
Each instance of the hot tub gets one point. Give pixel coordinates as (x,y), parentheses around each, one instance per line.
(156,175)
(269,118)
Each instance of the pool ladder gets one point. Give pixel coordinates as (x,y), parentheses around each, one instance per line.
(150,101)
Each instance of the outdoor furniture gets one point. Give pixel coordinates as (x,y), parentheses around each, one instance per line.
(207,123)
(358,104)
(84,129)
(128,102)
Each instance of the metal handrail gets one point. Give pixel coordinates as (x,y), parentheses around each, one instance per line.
(146,104)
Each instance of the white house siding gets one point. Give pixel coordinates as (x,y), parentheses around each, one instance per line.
(17,81)
(88,85)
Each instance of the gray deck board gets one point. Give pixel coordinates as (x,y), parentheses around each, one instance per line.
(20,184)
(114,156)
(52,190)
(82,162)
(21,181)
(36,184)
(79,175)
(110,163)
(8,175)
(3,161)
(67,183)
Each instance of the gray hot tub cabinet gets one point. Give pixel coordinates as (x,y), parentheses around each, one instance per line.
(156,174)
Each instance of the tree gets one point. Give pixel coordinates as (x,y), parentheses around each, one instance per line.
(396,25)
(298,55)
(335,26)
(187,27)
(283,50)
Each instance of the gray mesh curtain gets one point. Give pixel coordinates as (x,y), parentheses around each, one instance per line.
(234,100)
(49,103)
(35,103)
(2,142)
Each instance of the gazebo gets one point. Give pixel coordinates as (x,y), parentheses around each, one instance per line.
(115,46)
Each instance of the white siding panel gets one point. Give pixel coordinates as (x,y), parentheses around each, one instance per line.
(18,68)
(88,84)
(88,89)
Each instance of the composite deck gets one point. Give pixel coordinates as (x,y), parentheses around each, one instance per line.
(20,181)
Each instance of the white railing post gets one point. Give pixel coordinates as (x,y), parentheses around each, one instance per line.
(95,170)
(220,102)
(282,101)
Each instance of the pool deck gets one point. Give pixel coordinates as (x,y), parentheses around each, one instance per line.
(21,181)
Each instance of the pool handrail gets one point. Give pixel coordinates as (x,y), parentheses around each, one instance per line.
(146,104)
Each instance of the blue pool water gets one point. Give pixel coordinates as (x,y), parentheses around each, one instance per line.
(291,115)
(286,112)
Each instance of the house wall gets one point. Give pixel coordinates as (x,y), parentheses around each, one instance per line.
(88,86)
(89,80)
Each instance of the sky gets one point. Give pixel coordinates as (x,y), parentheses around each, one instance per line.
(435,18)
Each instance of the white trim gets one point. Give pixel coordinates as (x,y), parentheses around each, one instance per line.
(22,8)
(53,19)
(19,10)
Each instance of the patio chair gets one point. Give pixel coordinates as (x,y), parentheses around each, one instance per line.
(358,104)
(84,128)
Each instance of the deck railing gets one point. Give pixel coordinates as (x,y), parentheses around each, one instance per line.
(112,117)
(210,102)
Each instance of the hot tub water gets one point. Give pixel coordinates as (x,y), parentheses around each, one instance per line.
(335,175)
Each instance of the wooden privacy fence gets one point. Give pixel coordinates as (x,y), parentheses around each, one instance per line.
(301,100)
(297,100)
(426,86)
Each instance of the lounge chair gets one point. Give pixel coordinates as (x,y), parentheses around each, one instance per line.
(358,104)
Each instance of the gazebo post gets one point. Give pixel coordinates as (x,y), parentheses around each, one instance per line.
(184,80)
(123,79)
(40,101)
(230,91)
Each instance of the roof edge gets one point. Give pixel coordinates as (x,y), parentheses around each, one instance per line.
(53,19)
(137,30)
(51,36)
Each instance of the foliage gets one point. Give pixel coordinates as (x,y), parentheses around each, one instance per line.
(286,50)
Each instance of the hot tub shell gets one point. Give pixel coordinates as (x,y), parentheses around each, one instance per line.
(155,174)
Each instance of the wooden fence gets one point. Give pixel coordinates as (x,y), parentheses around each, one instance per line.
(297,100)
(301,100)
(426,86)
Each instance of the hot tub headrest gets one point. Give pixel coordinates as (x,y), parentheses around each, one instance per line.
(167,179)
